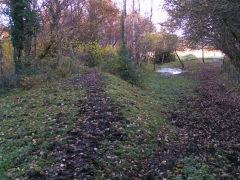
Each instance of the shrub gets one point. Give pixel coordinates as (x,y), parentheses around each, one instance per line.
(232,72)
(49,70)
(168,57)
(189,57)
(172,57)
(61,72)
(30,82)
(108,53)
(94,54)
(122,65)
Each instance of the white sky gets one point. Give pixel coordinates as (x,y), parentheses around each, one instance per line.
(159,14)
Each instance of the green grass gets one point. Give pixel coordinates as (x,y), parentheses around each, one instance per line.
(28,125)
(191,168)
(189,62)
(147,109)
(28,122)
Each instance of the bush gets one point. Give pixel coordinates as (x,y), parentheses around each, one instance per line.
(189,57)
(122,65)
(232,72)
(49,70)
(93,54)
(171,57)
(30,82)
(168,57)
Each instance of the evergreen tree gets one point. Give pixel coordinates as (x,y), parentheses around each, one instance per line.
(24,22)
(17,31)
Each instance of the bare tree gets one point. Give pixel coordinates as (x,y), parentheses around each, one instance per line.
(35,35)
(133,31)
(1,61)
(124,14)
(53,13)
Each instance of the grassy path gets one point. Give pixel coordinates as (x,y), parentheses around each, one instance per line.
(148,111)
(209,127)
(98,120)
(98,126)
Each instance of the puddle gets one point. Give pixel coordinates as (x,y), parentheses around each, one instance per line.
(170,71)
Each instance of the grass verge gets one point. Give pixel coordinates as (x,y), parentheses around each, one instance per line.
(28,125)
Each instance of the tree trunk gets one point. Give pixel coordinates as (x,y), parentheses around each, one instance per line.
(179,59)
(133,31)
(18,65)
(154,64)
(123,23)
(203,60)
(72,51)
(138,55)
(150,28)
(2,67)
(35,36)
(28,48)
(35,48)
(163,58)
(60,60)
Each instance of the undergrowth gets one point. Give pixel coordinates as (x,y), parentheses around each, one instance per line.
(123,66)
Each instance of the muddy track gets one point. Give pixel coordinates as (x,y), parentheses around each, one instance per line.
(208,128)
(98,117)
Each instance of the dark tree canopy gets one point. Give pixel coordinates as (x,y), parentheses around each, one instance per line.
(212,23)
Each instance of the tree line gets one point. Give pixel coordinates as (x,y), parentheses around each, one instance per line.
(87,31)
(208,23)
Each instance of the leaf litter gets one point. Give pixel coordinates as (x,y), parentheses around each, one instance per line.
(97,120)
(208,130)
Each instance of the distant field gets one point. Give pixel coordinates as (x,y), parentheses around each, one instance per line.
(198,53)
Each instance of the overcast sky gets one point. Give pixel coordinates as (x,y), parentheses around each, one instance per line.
(159,15)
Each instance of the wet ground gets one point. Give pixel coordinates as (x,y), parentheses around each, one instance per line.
(170,71)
